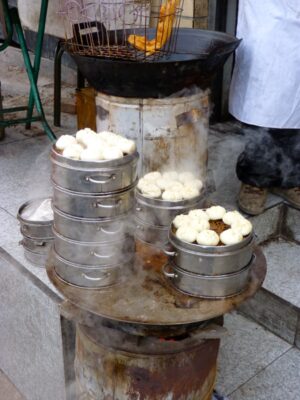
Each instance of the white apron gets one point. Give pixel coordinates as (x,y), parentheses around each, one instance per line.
(265,87)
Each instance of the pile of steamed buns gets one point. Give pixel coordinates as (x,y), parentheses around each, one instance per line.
(195,227)
(170,185)
(88,145)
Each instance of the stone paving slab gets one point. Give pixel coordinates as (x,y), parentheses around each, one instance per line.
(279,381)
(283,277)
(25,172)
(9,240)
(273,313)
(246,351)
(7,390)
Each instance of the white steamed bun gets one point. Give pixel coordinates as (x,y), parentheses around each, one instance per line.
(152,176)
(208,238)
(195,183)
(242,225)
(190,193)
(198,214)
(172,195)
(215,212)
(85,136)
(231,216)
(92,154)
(200,225)
(73,151)
(141,183)
(151,190)
(112,153)
(186,234)
(231,236)
(180,220)
(127,146)
(65,141)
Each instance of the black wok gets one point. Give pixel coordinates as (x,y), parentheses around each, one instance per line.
(199,54)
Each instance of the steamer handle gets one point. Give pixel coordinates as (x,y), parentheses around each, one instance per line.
(171,275)
(41,244)
(107,206)
(101,256)
(101,179)
(168,252)
(90,278)
(112,232)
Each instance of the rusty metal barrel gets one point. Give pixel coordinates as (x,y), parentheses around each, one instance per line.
(114,365)
(169,132)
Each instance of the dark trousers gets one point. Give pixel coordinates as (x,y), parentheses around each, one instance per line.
(271,158)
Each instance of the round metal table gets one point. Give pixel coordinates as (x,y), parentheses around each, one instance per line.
(149,299)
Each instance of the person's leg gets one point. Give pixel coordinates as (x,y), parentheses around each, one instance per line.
(259,164)
(257,169)
(288,140)
(271,160)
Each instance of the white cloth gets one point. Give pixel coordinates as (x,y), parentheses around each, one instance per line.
(265,87)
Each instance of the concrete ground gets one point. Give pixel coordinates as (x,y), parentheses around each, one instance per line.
(254,363)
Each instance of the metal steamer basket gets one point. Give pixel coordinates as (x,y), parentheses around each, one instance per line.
(36,250)
(37,234)
(161,212)
(98,177)
(87,205)
(39,246)
(34,229)
(91,204)
(99,230)
(208,286)
(152,234)
(91,277)
(209,271)
(91,253)
(210,260)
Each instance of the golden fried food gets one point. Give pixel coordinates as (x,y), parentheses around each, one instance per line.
(163,32)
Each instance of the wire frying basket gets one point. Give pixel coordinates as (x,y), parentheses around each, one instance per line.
(137,30)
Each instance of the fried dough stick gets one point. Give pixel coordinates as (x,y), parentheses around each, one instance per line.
(163,33)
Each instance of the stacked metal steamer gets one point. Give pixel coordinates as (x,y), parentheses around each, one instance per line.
(153,217)
(209,271)
(92,201)
(35,217)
